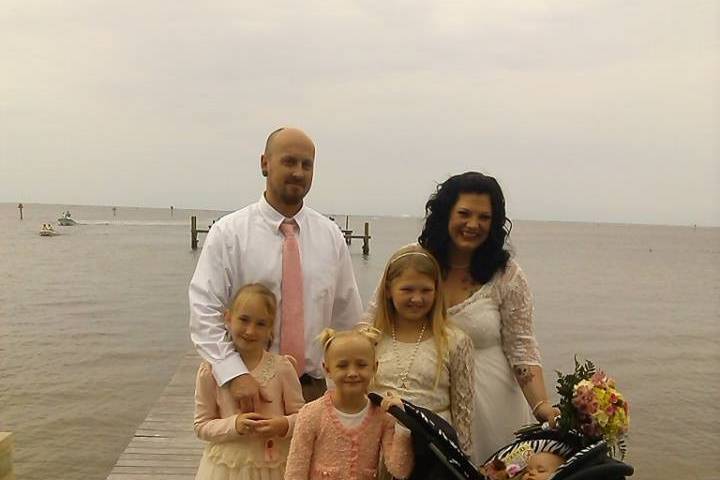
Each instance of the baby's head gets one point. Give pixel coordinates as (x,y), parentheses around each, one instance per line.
(349,358)
(541,466)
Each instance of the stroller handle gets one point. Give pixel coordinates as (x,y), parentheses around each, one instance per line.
(377,400)
(458,468)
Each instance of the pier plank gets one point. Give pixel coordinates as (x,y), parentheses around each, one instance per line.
(164,445)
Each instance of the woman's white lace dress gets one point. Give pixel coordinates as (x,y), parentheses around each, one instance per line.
(499,320)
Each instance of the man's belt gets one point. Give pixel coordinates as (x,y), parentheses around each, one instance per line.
(306,379)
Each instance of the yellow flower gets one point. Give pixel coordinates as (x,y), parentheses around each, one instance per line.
(601,418)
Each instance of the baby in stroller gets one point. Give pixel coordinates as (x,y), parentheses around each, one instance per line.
(549,454)
(523,463)
(541,466)
(561,457)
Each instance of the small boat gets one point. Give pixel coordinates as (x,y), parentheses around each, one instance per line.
(47,230)
(66,220)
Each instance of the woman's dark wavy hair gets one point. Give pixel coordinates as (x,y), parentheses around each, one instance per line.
(489,257)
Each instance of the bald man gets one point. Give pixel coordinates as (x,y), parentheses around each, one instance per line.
(246,246)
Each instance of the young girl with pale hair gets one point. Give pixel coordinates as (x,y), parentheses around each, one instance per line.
(248,445)
(421,357)
(341,435)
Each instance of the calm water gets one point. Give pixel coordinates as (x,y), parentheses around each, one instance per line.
(93,323)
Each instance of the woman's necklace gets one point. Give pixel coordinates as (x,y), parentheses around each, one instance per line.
(459,267)
(404,375)
(461,275)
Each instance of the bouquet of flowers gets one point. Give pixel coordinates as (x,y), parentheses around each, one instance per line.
(592,408)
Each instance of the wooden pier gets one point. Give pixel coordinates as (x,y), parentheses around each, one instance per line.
(164,447)
(365,237)
(6,454)
(194,232)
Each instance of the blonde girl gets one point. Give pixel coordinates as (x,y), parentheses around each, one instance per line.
(340,435)
(248,445)
(421,357)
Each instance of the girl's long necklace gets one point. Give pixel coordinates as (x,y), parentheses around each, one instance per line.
(404,375)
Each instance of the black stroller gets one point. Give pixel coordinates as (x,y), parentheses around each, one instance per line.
(438,456)
(435,444)
(591,462)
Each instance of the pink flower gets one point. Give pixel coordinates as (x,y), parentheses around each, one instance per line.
(513,469)
(599,379)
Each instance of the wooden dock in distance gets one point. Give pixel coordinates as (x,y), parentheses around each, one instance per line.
(164,447)
(348,234)
(365,238)
(194,232)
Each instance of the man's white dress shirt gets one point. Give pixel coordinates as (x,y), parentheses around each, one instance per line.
(246,247)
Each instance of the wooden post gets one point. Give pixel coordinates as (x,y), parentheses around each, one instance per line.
(193,233)
(366,239)
(20,207)
(347,219)
(6,451)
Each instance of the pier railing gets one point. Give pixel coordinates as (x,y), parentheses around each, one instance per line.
(348,234)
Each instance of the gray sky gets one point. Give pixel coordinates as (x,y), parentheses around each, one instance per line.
(584,110)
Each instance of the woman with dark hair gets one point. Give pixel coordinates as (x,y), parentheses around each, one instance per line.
(488,297)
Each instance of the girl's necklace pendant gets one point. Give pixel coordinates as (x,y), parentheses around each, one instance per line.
(404,375)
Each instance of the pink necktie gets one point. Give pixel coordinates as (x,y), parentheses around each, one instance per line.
(292,326)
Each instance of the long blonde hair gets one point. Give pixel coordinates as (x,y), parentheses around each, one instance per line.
(416,258)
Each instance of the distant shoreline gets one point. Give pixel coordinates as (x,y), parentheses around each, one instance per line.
(353,215)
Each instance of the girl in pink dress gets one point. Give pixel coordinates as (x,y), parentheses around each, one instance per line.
(254,445)
(340,435)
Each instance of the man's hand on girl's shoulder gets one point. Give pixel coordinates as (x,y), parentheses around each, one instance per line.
(247,391)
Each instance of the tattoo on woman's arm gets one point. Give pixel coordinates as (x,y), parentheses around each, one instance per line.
(524,375)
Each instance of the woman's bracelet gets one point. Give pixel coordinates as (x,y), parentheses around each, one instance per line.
(537,405)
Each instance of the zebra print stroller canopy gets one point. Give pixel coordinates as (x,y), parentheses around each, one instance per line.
(438,456)
(592,462)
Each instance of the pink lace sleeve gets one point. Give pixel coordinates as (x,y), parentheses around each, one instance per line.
(397,450)
(462,390)
(208,424)
(516,315)
(302,445)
